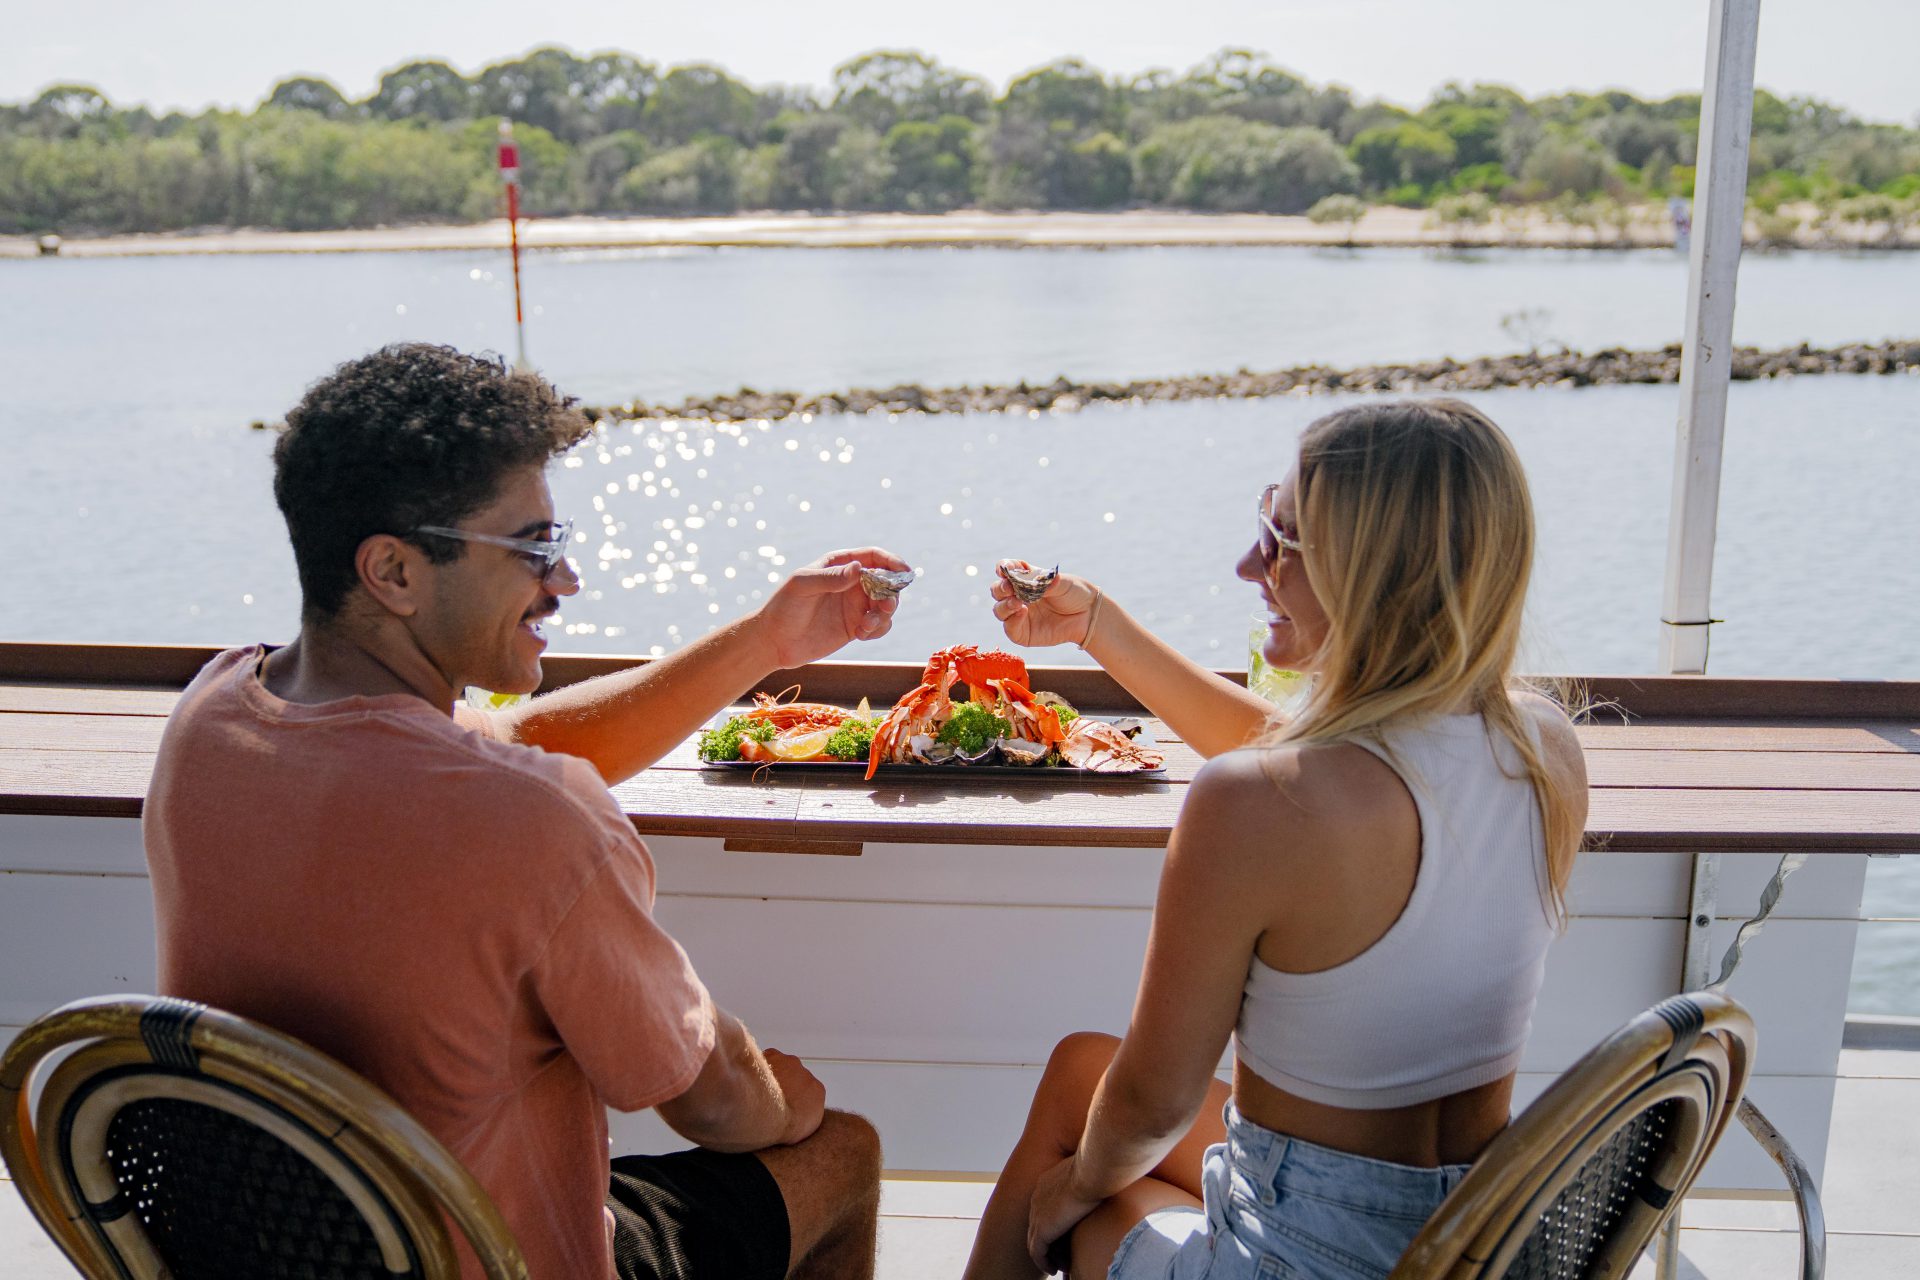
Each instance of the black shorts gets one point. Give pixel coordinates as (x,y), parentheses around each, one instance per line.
(697,1215)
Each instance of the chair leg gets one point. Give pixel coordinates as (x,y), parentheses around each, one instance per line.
(1666,1247)
(1806,1195)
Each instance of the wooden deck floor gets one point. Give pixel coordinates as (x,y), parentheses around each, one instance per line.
(1872,1211)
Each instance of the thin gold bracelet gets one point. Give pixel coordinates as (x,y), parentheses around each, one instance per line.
(1093,619)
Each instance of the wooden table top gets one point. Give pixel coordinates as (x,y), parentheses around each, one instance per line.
(1695,765)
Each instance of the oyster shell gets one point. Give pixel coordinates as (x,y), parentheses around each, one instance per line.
(884,584)
(1023,751)
(1028,582)
(923,749)
(984,755)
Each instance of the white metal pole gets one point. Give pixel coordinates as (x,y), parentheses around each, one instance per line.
(1706,369)
(1706,356)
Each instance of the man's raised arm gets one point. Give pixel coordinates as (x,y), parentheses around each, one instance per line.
(623,722)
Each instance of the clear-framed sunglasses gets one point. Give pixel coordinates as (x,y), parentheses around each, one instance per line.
(1274,538)
(544,556)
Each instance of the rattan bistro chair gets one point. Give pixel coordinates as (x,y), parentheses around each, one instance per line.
(1580,1182)
(170,1141)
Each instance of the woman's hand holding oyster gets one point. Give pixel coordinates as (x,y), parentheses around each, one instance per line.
(1043,606)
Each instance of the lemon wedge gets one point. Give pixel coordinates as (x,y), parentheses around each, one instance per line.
(799,746)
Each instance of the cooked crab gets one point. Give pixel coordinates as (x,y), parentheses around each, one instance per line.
(1099,747)
(992,678)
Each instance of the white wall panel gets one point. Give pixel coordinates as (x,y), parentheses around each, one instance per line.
(63,937)
(1657,884)
(32,842)
(915,873)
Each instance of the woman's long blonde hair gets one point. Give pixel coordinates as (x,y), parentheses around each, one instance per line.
(1418,534)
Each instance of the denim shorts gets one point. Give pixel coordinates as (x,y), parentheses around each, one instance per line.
(1279,1207)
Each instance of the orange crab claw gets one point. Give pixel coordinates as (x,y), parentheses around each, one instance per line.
(918,710)
(979,669)
(941,664)
(1045,720)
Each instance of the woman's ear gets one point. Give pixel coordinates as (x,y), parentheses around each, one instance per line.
(389,570)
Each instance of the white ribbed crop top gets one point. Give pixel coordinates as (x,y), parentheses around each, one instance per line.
(1443,1001)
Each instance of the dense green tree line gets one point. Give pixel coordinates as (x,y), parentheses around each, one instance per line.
(611,133)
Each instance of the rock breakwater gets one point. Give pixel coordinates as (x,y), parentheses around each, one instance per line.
(1611,367)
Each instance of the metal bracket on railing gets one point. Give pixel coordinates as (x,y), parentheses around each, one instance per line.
(1769,899)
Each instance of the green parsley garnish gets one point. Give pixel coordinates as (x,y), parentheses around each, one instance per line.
(973,727)
(853,740)
(724,743)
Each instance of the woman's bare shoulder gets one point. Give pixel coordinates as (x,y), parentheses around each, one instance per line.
(1290,765)
(1322,791)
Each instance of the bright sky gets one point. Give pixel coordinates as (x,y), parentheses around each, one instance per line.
(189,54)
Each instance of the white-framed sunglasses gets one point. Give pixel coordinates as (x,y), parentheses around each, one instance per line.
(543,555)
(1273,539)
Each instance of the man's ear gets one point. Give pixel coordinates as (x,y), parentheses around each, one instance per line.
(389,570)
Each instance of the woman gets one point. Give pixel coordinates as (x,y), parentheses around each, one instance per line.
(1362,898)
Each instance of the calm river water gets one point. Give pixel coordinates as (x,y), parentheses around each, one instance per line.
(141,504)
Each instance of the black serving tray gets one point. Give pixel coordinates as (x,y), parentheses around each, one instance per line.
(1033,771)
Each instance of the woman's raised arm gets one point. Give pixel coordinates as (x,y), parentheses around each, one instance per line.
(1209,713)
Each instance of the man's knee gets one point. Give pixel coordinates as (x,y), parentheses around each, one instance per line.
(853,1143)
(839,1162)
(851,1137)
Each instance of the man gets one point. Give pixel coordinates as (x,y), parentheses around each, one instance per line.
(451,902)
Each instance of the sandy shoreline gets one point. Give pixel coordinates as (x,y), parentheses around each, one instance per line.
(1381,228)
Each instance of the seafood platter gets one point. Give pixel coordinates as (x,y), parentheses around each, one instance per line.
(1002,725)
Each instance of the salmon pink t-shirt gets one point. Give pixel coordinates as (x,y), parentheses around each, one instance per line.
(465,921)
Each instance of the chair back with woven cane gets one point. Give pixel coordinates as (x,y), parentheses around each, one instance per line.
(170,1140)
(1582,1180)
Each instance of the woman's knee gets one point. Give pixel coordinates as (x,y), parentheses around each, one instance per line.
(1072,1073)
(1079,1060)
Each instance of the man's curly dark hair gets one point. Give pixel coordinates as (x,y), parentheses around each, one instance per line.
(412,434)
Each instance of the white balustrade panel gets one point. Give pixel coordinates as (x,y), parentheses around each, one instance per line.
(927,983)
